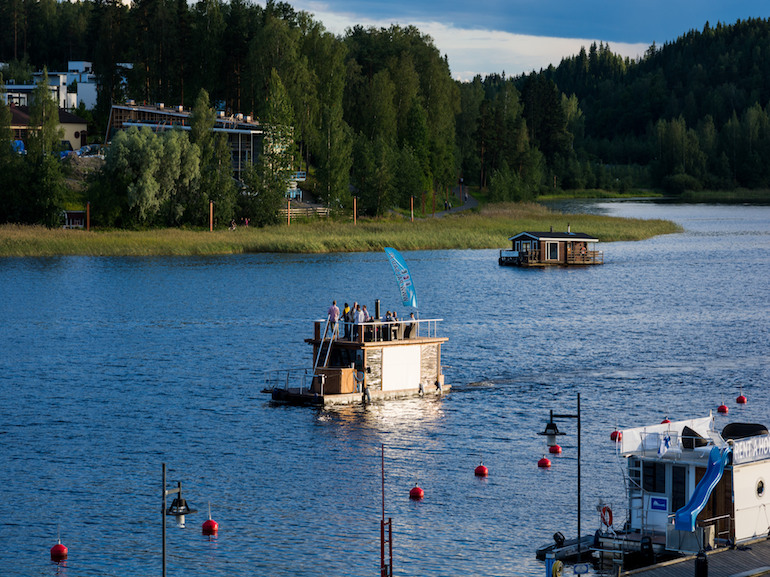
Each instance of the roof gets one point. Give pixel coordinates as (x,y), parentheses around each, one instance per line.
(20,116)
(581,236)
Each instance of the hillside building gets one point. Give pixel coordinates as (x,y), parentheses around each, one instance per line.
(244,133)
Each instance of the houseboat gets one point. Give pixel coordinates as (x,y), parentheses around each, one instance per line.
(690,488)
(366,362)
(551,248)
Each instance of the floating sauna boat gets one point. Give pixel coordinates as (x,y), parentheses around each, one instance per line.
(551,248)
(690,488)
(360,363)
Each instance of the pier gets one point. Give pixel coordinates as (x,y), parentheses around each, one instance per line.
(747,560)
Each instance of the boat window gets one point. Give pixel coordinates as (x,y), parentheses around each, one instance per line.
(654,477)
(678,487)
(634,471)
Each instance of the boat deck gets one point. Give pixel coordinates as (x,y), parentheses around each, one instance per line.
(746,560)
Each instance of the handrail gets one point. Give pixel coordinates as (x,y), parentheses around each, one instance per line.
(715,521)
(286,379)
(382,330)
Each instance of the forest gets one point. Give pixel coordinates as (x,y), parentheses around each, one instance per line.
(374,112)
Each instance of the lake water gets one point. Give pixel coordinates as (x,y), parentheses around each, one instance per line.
(111,366)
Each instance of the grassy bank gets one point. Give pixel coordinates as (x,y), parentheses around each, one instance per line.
(601,193)
(758,196)
(488,228)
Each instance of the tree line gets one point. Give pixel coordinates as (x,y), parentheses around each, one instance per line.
(374,113)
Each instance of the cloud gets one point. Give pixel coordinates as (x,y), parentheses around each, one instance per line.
(472,52)
(477,51)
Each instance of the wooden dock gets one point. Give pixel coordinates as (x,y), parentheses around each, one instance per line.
(747,560)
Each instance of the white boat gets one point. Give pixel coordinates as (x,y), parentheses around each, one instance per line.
(690,488)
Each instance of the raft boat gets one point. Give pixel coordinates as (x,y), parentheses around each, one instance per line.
(366,362)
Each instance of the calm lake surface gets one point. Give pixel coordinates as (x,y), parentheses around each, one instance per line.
(111,366)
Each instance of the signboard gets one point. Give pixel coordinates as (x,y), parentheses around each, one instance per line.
(751,449)
(659,503)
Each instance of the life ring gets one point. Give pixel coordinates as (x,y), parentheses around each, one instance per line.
(607,516)
(557,569)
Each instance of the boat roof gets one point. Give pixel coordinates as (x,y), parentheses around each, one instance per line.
(691,441)
(580,236)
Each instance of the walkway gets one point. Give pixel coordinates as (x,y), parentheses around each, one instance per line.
(743,561)
(457,204)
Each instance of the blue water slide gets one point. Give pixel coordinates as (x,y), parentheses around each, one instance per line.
(684,519)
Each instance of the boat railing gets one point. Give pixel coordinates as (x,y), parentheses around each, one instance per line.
(532,255)
(588,257)
(296,379)
(382,330)
(722,528)
(709,533)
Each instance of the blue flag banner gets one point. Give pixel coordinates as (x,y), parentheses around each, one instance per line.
(405,284)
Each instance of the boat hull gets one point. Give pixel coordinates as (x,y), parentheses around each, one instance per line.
(307,398)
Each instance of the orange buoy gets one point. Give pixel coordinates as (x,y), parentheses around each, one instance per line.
(58,552)
(481,471)
(722,409)
(544,463)
(210,527)
(741,400)
(665,420)
(616,436)
(416,493)
(554,449)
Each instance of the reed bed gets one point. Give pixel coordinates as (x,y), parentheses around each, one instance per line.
(488,228)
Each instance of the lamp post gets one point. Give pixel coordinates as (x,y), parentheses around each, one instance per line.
(177,509)
(550,432)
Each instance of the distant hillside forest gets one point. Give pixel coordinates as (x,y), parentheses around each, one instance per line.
(376,114)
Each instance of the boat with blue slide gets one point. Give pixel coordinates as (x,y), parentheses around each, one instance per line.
(690,488)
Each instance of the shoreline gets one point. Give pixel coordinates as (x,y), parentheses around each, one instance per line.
(489,227)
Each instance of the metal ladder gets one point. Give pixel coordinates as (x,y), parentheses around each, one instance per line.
(329,347)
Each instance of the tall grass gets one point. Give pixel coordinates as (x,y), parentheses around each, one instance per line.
(488,228)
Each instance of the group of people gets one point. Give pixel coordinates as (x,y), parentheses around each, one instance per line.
(351,319)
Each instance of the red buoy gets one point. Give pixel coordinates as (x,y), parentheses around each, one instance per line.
(665,420)
(722,409)
(416,493)
(481,471)
(210,527)
(58,552)
(741,400)
(544,463)
(554,449)
(616,436)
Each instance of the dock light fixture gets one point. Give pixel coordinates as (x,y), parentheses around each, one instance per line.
(551,432)
(178,509)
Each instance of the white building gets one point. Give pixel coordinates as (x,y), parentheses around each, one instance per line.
(79,77)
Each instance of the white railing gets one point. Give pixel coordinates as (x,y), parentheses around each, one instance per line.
(383,331)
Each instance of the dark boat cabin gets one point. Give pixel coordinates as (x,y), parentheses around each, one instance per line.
(551,248)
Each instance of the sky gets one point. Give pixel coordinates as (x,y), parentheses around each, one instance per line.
(519,36)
